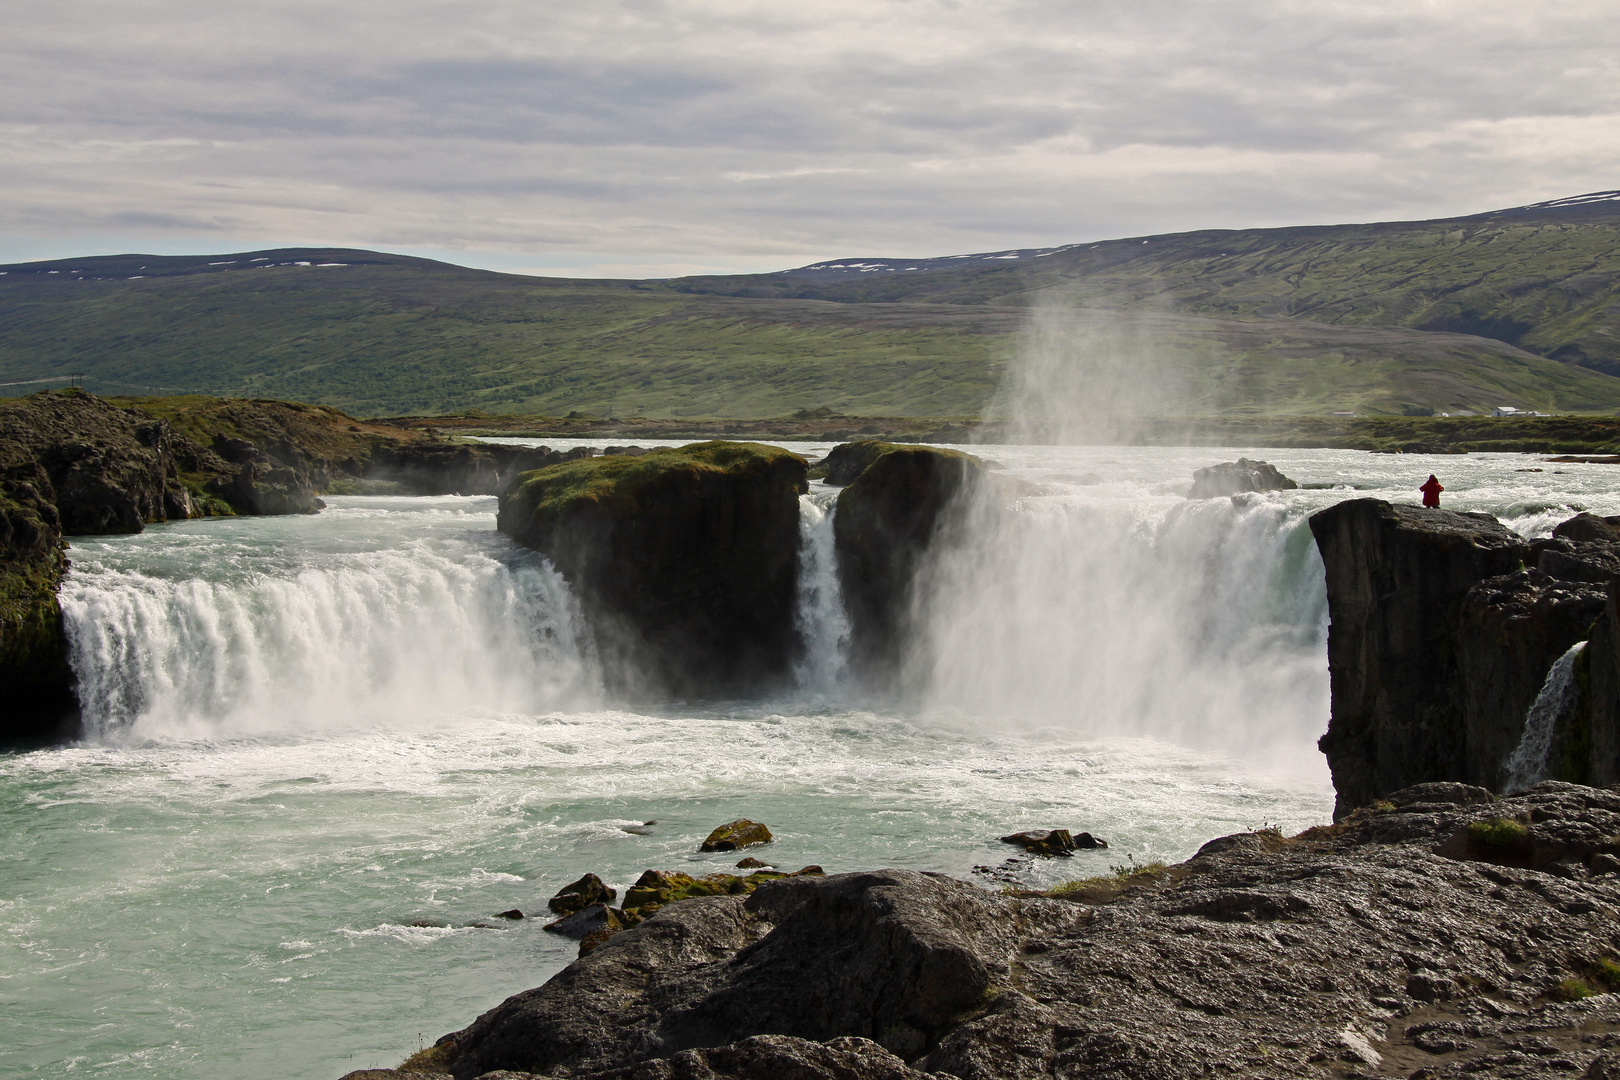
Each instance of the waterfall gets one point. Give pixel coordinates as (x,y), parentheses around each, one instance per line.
(377,638)
(819,613)
(1202,623)
(1528,763)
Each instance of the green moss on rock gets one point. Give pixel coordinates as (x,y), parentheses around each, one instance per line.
(736,834)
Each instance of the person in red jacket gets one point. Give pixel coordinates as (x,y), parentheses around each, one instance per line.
(1431,491)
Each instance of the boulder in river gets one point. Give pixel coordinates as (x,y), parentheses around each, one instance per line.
(588,920)
(898,974)
(1236,477)
(1053,841)
(736,834)
(684,560)
(588,890)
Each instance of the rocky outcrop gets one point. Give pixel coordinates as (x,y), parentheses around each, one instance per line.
(904,505)
(685,561)
(443,468)
(1396,580)
(1236,477)
(1448,934)
(70,464)
(1443,629)
(846,461)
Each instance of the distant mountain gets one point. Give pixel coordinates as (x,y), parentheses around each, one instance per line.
(1512,307)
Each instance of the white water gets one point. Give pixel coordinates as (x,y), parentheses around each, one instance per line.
(309,733)
(1528,764)
(270,640)
(823,626)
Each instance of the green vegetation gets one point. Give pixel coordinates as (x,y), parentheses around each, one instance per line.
(1395,320)
(1572,989)
(1104,888)
(1499,833)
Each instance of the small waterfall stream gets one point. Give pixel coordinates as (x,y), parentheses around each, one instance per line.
(1528,764)
(819,613)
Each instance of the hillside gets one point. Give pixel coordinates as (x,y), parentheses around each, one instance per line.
(1513,307)
(1545,278)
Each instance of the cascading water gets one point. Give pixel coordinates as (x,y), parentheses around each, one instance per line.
(226,638)
(1528,764)
(1202,623)
(819,613)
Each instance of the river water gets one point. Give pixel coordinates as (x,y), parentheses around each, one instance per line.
(324,751)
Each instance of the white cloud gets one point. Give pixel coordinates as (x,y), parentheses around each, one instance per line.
(723,132)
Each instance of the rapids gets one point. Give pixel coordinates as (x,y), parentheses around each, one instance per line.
(323,751)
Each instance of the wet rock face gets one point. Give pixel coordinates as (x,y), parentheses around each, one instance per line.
(684,560)
(1379,946)
(889,520)
(1510,631)
(1396,580)
(1236,477)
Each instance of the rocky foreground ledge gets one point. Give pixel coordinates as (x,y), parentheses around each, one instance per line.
(1441,933)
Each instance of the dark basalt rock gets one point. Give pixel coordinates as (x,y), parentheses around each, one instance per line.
(1397,577)
(1589,527)
(890,518)
(685,561)
(846,461)
(70,464)
(1380,946)
(444,468)
(588,920)
(1236,477)
(263,485)
(1441,638)
(588,890)
(1053,841)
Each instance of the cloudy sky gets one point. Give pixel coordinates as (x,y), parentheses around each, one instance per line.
(657,137)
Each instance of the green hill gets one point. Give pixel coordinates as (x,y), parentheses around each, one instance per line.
(1514,307)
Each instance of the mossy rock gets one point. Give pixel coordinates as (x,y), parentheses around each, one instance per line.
(685,561)
(657,889)
(736,834)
